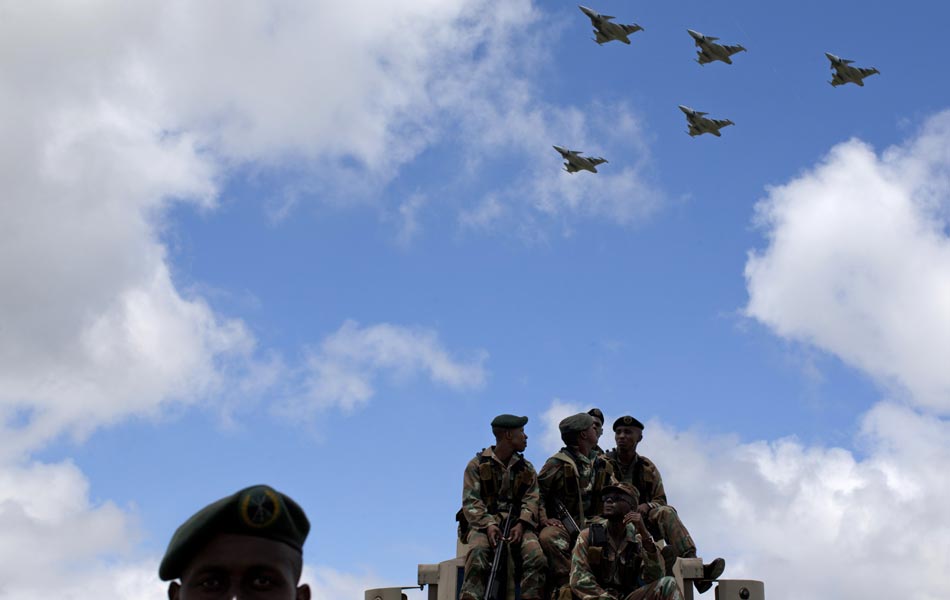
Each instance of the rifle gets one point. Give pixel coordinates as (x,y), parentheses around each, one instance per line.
(565,517)
(493,587)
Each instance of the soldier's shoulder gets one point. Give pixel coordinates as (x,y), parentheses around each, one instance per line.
(528,464)
(649,465)
(551,464)
(479,456)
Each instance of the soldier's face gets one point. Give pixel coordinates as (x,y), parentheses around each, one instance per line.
(519,439)
(241,567)
(627,437)
(598,428)
(615,506)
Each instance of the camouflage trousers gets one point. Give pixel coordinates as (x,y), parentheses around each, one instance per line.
(557,546)
(478,566)
(665,524)
(664,588)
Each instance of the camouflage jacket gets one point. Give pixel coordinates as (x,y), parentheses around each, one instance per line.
(643,475)
(576,481)
(488,486)
(609,570)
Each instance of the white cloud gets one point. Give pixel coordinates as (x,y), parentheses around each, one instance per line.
(818,522)
(93,327)
(858,261)
(409,226)
(342,371)
(483,216)
(57,542)
(111,113)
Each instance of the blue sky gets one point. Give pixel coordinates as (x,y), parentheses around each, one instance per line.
(321,246)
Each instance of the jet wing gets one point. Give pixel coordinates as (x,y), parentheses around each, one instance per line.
(631,28)
(732,49)
(720,123)
(597,161)
(866,72)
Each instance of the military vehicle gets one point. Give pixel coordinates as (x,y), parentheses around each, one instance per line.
(444,581)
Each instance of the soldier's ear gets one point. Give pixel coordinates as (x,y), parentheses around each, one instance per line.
(303,592)
(173,589)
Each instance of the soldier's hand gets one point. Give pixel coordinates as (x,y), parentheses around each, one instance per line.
(517,530)
(494,535)
(553,523)
(633,517)
(637,520)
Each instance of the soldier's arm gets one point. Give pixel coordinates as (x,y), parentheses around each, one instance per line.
(547,487)
(531,502)
(651,562)
(658,494)
(473,507)
(584,584)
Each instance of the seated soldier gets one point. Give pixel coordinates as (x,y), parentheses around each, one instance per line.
(571,482)
(662,519)
(496,480)
(248,545)
(618,560)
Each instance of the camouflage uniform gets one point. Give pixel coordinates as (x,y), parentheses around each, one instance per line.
(662,520)
(577,482)
(618,572)
(487,492)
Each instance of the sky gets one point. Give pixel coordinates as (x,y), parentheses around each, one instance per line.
(321,245)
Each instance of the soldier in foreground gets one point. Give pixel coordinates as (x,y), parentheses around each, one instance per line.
(618,560)
(247,545)
(496,480)
(571,483)
(661,519)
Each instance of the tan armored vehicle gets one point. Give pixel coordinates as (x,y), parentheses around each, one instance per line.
(444,580)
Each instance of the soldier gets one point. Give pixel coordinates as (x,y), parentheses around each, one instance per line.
(570,481)
(618,560)
(495,479)
(662,519)
(599,422)
(249,544)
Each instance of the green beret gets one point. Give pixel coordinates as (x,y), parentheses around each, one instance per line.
(625,489)
(597,414)
(578,422)
(259,511)
(508,422)
(627,421)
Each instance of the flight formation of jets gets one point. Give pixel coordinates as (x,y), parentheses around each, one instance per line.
(605,30)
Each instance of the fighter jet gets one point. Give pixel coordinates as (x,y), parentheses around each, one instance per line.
(606,31)
(699,124)
(710,51)
(575,162)
(845,73)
